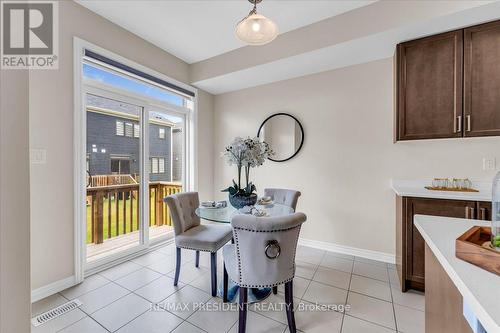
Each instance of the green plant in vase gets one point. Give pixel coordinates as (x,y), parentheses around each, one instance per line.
(245,154)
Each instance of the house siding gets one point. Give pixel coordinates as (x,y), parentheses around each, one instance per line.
(101,132)
(177,155)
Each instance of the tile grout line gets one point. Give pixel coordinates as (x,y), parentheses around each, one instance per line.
(347,296)
(131,292)
(183,320)
(113,280)
(370,296)
(301,298)
(88,291)
(190,323)
(371,322)
(236,323)
(192,314)
(86,316)
(119,298)
(129,320)
(392,302)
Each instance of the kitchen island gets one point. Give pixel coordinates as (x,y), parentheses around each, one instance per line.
(452,284)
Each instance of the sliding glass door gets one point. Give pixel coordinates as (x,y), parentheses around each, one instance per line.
(166,166)
(136,135)
(114,159)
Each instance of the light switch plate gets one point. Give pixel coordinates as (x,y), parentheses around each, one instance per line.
(489,163)
(38,156)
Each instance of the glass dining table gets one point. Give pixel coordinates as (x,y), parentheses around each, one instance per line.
(224,215)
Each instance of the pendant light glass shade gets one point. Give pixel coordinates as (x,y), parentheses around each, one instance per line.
(256,29)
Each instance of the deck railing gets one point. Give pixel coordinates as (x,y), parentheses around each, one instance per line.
(113,210)
(106,180)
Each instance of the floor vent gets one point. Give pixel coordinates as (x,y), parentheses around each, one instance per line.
(56,312)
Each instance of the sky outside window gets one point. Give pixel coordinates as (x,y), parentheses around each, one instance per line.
(95,73)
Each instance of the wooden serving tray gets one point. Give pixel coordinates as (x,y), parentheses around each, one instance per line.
(451,189)
(474,246)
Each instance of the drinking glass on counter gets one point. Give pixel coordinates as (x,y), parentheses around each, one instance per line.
(441,183)
(455,183)
(461,184)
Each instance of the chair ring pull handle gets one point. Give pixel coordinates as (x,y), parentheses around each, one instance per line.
(273,243)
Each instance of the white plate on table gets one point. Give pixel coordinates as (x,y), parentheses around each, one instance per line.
(210,207)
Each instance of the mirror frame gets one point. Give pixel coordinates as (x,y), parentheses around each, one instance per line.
(301,130)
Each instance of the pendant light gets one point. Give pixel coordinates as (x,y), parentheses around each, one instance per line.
(256,29)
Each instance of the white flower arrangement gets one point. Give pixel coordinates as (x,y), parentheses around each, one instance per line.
(246,153)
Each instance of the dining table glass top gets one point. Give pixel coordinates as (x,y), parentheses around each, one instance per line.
(225,214)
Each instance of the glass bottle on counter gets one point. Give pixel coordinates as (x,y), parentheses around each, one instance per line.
(495,213)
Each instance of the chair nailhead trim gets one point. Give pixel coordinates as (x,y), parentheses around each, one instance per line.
(203,250)
(277,230)
(239,257)
(192,248)
(237,253)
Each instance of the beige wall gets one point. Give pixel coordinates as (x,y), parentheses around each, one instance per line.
(51,94)
(15,297)
(205,145)
(348,158)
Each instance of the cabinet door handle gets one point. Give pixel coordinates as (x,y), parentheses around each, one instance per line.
(472,213)
(468,120)
(483,213)
(469,212)
(458,124)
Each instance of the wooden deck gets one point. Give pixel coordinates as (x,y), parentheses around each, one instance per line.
(122,242)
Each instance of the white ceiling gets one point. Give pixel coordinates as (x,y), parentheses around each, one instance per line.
(370,47)
(198,30)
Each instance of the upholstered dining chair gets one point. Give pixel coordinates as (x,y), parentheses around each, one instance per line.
(283,196)
(263,256)
(190,234)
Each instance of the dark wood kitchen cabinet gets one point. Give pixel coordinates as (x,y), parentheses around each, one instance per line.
(410,262)
(482,80)
(410,248)
(448,85)
(429,87)
(483,211)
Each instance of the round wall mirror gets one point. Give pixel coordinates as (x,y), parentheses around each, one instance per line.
(284,134)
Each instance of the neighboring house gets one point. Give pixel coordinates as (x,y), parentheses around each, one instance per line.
(177,155)
(113,142)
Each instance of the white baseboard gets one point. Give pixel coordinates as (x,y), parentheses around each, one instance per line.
(52,288)
(354,251)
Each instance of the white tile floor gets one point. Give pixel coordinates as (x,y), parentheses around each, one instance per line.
(119,299)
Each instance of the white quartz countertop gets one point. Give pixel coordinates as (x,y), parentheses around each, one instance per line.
(416,188)
(479,288)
